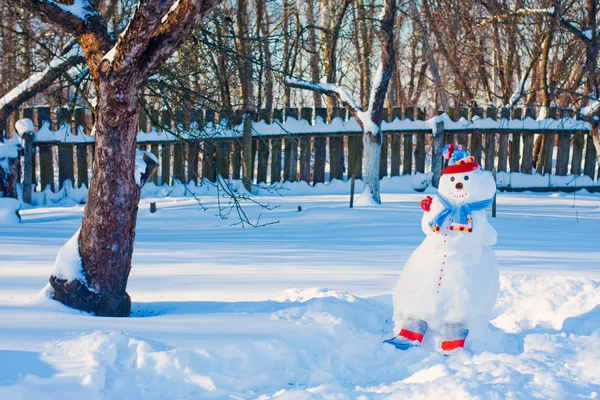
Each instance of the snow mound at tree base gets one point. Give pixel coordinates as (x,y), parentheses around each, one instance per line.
(9,211)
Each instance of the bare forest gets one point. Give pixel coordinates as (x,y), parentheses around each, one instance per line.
(448,54)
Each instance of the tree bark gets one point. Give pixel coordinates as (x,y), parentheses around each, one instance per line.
(112,207)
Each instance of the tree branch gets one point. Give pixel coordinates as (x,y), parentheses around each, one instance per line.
(173,31)
(134,40)
(82,19)
(72,18)
(540,11)
(36,83)
(388,56)
(328,89)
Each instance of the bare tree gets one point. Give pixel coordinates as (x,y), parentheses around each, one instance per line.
(119,72)
(369,120)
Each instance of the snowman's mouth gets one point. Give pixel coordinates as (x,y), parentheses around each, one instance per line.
(459,195)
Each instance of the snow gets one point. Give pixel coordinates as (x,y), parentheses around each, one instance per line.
(79,8)
(591,109)
(38,76)
(299,309)
(68,265)
(293,126)
(140,164)
(9,149)
(8,211)
(24,125)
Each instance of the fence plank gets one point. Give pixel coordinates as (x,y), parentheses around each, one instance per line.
(209,159)
(383,161)
(562,157)
(476,137)
(515,145)
(193,150)
(181,125)
(420,146)
(275,160)
(165,153)
(305,147)
(590,156)
(263,160)
(577,158)
(236,159)
(355,156)
(394,144)
(408,144)
(28,112)
(28,152)
(528,139)
(223,152)
(65,152)
(46,158)
(490,141)
(436,153)
(320,149)
(81,151)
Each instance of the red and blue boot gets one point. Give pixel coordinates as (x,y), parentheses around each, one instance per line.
(453,337)
(411,334)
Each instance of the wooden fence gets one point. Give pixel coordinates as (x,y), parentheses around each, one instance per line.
(196,145)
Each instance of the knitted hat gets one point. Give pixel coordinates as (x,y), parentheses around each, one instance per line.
(459,161)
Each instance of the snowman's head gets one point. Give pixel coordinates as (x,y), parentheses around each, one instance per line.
(467,187)
(463,181)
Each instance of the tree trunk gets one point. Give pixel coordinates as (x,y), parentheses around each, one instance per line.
(112,206)
(372,154)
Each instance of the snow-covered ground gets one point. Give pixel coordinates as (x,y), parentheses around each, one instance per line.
(299,309)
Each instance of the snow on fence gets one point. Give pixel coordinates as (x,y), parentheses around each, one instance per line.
(304,147)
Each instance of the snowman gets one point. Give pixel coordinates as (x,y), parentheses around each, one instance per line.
(450,283)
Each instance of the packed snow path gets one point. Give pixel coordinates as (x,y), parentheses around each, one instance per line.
(224,312)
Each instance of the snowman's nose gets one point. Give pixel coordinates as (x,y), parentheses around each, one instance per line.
(459,185)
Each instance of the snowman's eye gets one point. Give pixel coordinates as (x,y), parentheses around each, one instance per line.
(452,179)
(466,177)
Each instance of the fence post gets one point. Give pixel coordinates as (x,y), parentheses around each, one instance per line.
(27,165)
(436,153)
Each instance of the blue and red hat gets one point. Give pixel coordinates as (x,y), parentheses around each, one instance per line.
(459,161)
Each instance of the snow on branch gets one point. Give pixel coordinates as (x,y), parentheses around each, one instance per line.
(70,56)
(591,111)
(74,17)
(328,89)
(585,36)
(519,12)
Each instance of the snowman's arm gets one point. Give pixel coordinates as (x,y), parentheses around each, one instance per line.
(436,207)
(490,236)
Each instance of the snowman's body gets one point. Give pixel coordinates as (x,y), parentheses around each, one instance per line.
(452,278)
